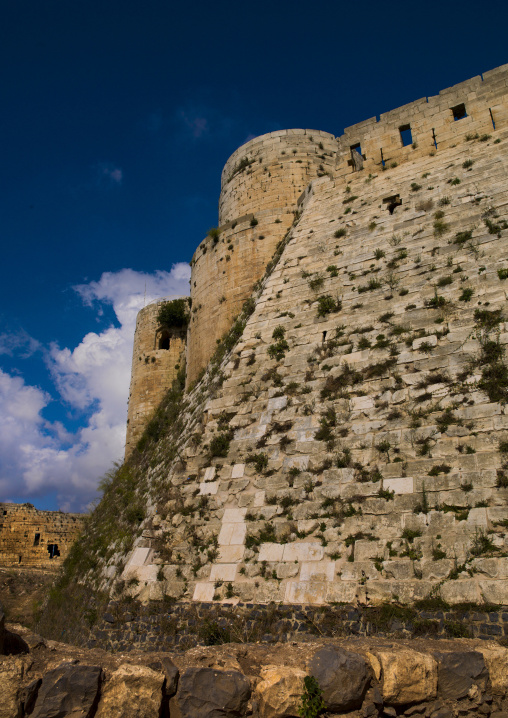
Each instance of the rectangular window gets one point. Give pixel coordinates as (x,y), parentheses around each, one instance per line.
(357,148)
(459,112)
(405,135)
(37,539)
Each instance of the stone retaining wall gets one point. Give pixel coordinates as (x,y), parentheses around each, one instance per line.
(182,625)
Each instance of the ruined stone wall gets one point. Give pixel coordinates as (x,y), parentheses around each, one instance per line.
(261,184)
(29,537)
(153,369)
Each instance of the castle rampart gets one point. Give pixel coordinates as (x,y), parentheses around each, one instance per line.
(157,353)
(29,537)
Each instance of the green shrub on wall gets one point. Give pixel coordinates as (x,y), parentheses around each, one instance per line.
(174,313)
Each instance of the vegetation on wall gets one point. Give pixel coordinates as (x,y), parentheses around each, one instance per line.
(174,313)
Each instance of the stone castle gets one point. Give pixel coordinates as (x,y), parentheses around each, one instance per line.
(33,538)
(343,435)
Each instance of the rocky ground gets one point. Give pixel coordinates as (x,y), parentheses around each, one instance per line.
(358,678)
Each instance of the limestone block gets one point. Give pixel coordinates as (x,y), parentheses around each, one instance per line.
(407,676)
(238,471)
(402,485)
(359,569)
(399,570)
(432,340)
(232,534)
(277,403)
(303,552)
(233,516)
(230,554)
(280,691)
(317,571)
(461,591)
(436,570)
(209,473)
(287,570)
(223,572)
(138,557)
(478,517)
(311,592)
(12,670)
(494,592)
(341,592)
(271,552)
(496,659)
(209,489)
(365,549)
(131,692)
(362,403)
(259,498)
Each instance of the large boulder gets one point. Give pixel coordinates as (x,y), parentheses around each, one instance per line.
(343,677)
(210,693)
(406,676)
(12,670)
(165,665)
(280,691)
(496,658)
(69,690)
(458,671)
(132,692)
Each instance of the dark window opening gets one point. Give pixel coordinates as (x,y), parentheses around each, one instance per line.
(19,559)
(356,161)
(459,112)
(37,539)
(492,118)
(324,335)
(164,340)
(406,135)
(382,158)
(392,202)
(53,550)
(434,138)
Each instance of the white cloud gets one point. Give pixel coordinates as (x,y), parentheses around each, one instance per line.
(19,342)
(108,175)
(93,378)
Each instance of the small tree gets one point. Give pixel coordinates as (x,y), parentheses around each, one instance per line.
(174,313)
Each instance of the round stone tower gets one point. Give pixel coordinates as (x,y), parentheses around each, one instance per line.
(260,186)
(156,358)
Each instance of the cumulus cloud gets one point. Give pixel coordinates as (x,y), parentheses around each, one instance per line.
(92,379)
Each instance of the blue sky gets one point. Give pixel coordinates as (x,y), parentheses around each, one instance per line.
(116,119)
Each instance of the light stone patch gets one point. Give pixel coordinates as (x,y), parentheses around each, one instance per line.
(259,499)
(209,489)
(303,552)
(403,485)
(203,592)
(238,471)
(138,557)
(478,517)
(232,534)
(209,473)
(276,403)
(310,592)
(223,572)
(270,552)
(230,554)
(233,516)
(322,571)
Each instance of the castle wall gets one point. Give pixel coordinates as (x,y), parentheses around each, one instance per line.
(153,370)
(29,537)
(431,121)
(261,182)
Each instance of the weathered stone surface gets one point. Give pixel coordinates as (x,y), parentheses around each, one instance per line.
(458,671)
(406,676)
(2,629)
(280,691)
(343,677)
(210,693)
(69,690)
(165,665)
(496,659)
(12,669)
(131,692)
